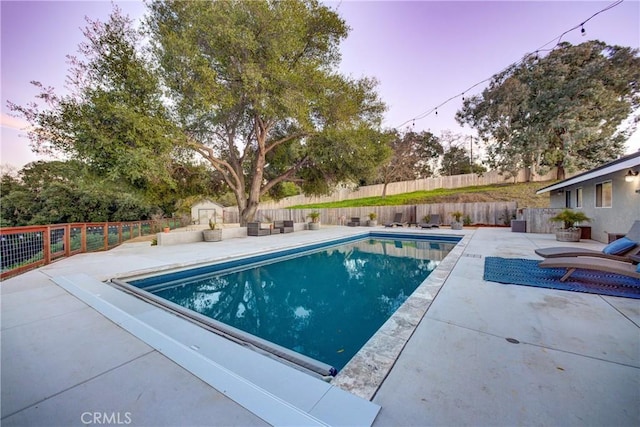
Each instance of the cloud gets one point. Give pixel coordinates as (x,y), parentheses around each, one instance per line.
(7,121)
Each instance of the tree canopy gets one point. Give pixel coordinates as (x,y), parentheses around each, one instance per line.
(65,192)
(256,94)
(412,157)
(113,117)
(456,157)
(248,88)
(566,109)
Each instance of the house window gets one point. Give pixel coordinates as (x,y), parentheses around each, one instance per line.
(567,199)
(604,194)
(578,197)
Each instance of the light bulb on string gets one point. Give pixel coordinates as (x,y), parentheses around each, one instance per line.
(543,48)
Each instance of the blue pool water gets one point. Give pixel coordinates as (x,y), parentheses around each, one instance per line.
(324,303)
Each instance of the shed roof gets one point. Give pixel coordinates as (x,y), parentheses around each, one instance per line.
(625,162)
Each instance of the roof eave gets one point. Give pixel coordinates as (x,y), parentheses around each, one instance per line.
(616,166)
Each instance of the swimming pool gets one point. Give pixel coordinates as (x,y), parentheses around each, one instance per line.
(323,301)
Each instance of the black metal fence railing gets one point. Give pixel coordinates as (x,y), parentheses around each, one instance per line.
(25,248)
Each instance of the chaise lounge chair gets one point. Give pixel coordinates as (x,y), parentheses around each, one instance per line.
(591,263)
(434,222)
(355,221)
(397,221)
(609,252)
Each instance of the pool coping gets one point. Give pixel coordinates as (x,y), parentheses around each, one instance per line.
(360,378)
(367,370)
(276,392)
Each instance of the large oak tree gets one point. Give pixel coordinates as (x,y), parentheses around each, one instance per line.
(249,88)
(567,109)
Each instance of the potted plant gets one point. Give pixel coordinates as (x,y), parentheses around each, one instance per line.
(213,234)
(315,220)
(456,224)
(373,219)
(569,232)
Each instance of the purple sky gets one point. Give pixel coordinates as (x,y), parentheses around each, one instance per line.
(422,53)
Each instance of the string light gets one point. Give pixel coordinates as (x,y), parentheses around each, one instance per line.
(542,48)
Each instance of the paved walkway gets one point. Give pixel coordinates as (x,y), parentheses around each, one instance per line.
(576,360)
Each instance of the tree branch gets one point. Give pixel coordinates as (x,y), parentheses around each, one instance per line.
(229,174)
(285,176)
(281,141)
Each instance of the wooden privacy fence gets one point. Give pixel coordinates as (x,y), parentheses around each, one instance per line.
(494,213)
(539,219)
(426,184)
(24,248)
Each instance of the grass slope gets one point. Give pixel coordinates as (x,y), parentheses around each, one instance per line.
(523,193)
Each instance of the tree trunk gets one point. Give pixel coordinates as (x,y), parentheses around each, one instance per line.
(560,173)
(253,200)
(248,214)
(384,190)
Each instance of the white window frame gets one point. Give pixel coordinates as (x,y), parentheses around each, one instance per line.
(602,184)
(579,198)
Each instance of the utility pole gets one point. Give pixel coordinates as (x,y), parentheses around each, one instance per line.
(471,155)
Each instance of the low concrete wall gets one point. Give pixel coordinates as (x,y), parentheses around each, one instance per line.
(179,237)
(193,236)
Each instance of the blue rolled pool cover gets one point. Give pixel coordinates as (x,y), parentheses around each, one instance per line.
(320,368)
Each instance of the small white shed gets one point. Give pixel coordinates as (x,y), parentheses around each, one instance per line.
(202,211)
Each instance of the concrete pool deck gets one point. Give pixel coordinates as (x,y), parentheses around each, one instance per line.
(577,360)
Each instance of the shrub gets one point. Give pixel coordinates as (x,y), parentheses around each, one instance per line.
(569,218)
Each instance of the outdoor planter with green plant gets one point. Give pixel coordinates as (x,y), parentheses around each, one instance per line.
(315,220)
(373,219)
(214,233)
(456,224)
(569,232)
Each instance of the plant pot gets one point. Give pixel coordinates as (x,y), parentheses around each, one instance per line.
(456,225)
(166,229)
(314,226)
(372,222)
(568,235)
(212,235)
